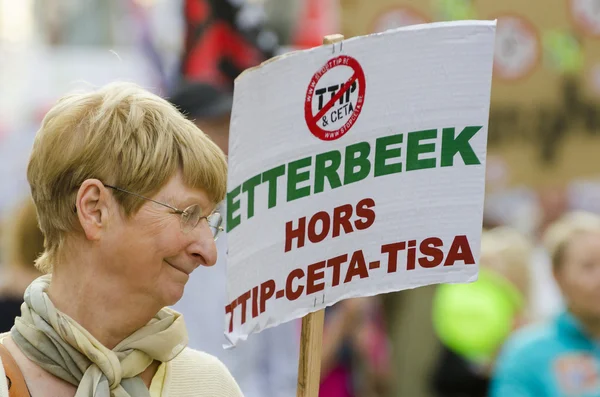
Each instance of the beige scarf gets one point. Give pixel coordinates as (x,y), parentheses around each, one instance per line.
(59,345)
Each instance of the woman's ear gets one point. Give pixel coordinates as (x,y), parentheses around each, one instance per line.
(92,207)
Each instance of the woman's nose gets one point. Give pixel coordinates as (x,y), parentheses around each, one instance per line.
(202,245)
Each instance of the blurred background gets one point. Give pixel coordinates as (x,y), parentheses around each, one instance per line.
(543,154)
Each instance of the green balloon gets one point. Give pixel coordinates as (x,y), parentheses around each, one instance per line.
(474,319)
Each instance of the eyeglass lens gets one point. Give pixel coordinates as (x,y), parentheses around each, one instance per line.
(192,215)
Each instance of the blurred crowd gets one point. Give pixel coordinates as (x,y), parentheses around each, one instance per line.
(529,326)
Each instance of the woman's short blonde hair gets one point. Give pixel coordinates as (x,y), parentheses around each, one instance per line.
(122,135)
(561,233)
(22,241)
(507,252)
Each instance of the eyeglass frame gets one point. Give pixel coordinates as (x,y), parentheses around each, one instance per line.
(218,229)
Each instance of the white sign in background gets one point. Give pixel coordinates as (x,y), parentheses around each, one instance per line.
(378,234)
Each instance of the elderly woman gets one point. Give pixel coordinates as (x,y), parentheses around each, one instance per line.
(125,188)
(561,358)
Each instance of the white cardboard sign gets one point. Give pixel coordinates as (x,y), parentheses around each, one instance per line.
(357,169)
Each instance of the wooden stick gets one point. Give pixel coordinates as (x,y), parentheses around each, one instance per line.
(333,38)
(311,341)
(309,368)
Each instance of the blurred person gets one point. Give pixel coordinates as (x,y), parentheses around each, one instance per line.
(222,39)
(553,203)
(125,190)
(473,320)
(546,302)
(23,242)
(356,350)
(561,357)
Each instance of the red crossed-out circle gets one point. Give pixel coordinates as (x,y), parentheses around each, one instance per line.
(312,119)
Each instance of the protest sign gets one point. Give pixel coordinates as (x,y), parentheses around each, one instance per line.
(357,169)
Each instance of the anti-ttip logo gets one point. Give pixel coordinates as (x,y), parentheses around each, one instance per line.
(334,98)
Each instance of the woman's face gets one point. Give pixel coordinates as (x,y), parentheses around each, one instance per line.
(149,254)
(579,275)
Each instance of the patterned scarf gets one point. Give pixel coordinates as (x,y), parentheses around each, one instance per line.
(60,346)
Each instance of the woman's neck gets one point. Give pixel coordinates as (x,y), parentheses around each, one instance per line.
(99,303)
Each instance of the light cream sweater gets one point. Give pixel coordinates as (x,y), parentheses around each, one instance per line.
(197,374)
(190,374)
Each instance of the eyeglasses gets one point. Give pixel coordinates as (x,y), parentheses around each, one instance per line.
(190,217)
